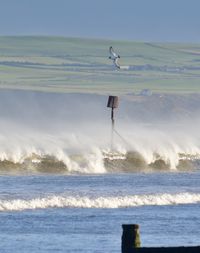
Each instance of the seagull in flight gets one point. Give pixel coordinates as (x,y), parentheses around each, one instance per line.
(115,57)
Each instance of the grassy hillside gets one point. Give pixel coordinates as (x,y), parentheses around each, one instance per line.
(82,65)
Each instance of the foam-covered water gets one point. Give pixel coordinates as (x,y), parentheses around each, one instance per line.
(100,202)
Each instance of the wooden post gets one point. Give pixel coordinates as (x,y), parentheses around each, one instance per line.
(130,238)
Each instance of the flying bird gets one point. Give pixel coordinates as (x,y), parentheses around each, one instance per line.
(115,58)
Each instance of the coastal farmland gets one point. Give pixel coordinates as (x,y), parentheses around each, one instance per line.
(58,64)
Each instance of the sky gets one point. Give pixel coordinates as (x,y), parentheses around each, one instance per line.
(136,20)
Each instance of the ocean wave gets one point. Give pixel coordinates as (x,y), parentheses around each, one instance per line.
(72,134)
(99,202)
(97,161)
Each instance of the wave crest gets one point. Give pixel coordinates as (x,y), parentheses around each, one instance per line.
(99,202)
(95,162)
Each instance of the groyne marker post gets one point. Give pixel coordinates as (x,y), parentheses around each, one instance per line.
(113,102)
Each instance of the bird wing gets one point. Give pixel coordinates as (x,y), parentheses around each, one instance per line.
(112,53)
(115,61)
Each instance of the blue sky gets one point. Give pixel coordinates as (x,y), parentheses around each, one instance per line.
(138,20)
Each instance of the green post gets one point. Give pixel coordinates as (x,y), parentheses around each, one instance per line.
(130,238)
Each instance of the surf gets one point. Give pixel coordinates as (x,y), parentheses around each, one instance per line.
(111,202)
(73,134)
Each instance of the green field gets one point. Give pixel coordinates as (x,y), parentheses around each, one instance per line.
(59,64)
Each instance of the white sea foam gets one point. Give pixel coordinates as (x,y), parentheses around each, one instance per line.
(80,154)
(99,202)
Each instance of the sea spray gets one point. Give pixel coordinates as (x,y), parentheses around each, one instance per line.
(69,133)
(148,151)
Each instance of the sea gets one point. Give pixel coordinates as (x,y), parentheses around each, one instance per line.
(68,180)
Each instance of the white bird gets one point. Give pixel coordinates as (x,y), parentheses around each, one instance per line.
(115,57)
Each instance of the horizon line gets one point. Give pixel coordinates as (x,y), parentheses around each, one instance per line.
(99,38)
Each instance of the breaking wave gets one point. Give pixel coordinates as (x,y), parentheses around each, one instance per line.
(72,134)
(96,162)
(100,202)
